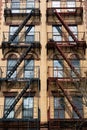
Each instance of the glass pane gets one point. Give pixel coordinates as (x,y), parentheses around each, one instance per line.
(11,64)
(71,4)
(30,35)
(28,107)
(29,69)
(58,68)
(8,102)
(59,108)
(75,32)
(56,4)
(76,64)
(57,33)
(12,31)
(29,5)
(77,101)
(15,6)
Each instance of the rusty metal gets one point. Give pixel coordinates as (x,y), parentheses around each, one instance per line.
(66,27)
(68,98)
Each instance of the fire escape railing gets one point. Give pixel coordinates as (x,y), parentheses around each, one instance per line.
(23,37)
(77,74)
(17,99)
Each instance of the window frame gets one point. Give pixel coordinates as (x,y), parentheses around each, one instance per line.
(14,7)
(59,112)
(56,36)
(31,116)
(13,115)
(14,75)
(29,70)
(56,72)
(76,102)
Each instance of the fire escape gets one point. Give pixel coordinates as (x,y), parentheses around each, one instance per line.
(31,17)
(61,16)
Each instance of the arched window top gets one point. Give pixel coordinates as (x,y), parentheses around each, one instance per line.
(74,56)
(12,56)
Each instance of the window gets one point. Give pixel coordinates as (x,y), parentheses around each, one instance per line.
(57,33)
(71,4)
(28,104)
(30,35)
(10,65)
(77,101)
(8,102)
(29,5)
(29,69)
(59,108)
(73,28)
(76,64)
(12,31)
(15,6)
(58,68)
(56,4)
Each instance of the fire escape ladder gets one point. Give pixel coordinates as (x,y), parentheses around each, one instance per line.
(20,27)
(62,33)
(66,27)
(19,61)
(68,62)
(68,98)
(17,99)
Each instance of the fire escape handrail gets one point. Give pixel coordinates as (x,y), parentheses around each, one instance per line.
(17,99)
(66,95)
(66,27)
(20,27)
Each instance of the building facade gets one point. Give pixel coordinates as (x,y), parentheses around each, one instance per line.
(43,71)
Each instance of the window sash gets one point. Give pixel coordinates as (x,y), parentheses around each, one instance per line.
(10,65)
(57,33)
(12,31)
(59,107)
(56,4)
(29,5)
(29,69)
(75,32)
(15,6)
(28,105)
(58,68)
(30,36)
(8,102)
(76,64)
(77,101)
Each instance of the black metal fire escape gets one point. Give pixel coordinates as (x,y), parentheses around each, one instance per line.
(18,63)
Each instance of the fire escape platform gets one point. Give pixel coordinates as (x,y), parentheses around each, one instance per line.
(67,123)
(19,123)
(20,45)
(66,13)
(8,12)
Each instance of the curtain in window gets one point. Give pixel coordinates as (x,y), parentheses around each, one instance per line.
(28,105)
(29,69)
(30,35)
(10,65)
(76,64)
(12,31)
(77,101)
(8,102)
(58,68)
(59,108)
(29,5)
(57,33)
(75,32)
(15,6)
